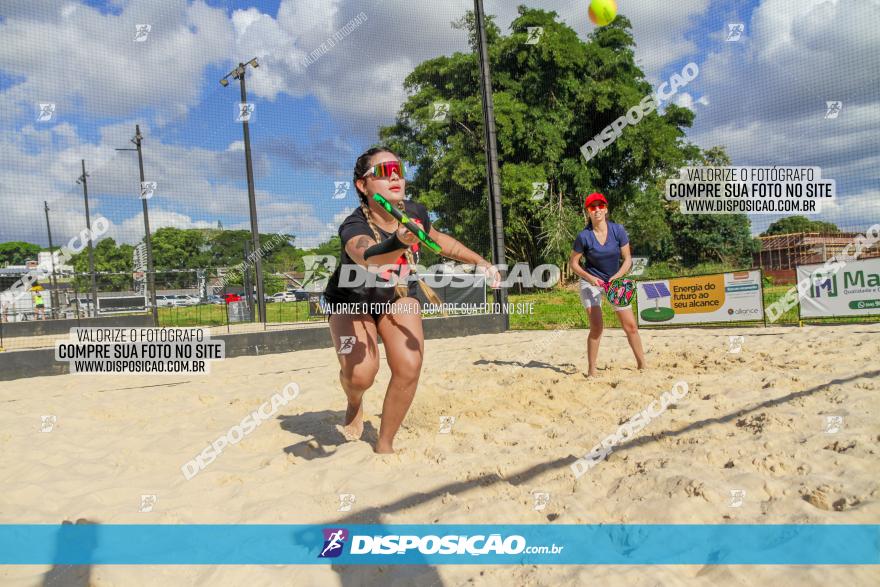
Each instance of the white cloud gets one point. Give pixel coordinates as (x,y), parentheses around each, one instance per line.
(659,28)
(195,187)
(67,51)
(857,212)
(686,100)
(131,230)
(800,54)
(76,57)
(298,219)
(854,213)
(769,93)
(360,80)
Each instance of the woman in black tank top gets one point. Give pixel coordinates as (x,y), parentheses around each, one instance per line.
(364,312)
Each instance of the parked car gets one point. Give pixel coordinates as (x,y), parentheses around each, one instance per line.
(231,297)
(215,300)
(180,300)
(282,296)
(190,299)
(298,295)
(165,301)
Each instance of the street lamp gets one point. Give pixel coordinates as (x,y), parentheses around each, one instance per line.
(82,180)
(239,74)
(148,241)
(54,296)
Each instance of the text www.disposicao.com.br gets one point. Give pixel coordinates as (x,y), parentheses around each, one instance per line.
(139,366)
(745,206)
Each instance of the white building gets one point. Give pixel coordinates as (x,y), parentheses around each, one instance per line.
(45,263)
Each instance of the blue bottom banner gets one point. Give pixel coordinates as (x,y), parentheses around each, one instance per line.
(631,544)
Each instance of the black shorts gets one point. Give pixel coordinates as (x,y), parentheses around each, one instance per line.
(374,315)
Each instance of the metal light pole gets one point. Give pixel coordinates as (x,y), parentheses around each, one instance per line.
(246,282)
(148,240)
(239,74)
(82,179)
(54,296)
(496,221)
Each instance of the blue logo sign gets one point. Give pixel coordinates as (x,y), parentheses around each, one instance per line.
(334,540)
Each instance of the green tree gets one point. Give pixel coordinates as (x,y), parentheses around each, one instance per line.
(332,247)
(18,252)
(550,98)
(285,259)
(226,247)
(272,284)
(793,224)
(112,260)
(560,225)
(175,248)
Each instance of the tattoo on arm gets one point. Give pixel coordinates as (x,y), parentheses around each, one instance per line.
(362,243)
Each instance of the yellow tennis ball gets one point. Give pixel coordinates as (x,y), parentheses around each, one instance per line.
(602,12)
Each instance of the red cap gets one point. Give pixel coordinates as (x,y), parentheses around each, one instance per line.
(595,197)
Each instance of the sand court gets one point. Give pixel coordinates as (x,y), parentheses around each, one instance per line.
(783,430)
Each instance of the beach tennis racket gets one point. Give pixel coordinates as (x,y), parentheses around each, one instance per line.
(619,292)
(408,223)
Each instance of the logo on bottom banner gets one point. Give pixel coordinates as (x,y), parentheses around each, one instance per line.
(334,541)
(402,544)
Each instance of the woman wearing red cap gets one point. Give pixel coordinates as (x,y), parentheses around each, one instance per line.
(602,244)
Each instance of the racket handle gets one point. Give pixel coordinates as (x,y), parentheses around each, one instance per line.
(386,246)
(409,224)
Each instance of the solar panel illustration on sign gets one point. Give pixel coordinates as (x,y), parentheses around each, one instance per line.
(656,292)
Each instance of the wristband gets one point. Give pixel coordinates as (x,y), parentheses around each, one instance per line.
(386,246)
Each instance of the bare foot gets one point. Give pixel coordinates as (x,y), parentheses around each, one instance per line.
(354,422)
(593,373)
(384,448)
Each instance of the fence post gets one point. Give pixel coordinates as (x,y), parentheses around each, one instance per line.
(226,308)
(763,313)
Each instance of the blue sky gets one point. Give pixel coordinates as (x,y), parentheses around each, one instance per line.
(762,97)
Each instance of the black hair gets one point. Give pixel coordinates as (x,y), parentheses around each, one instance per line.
(362,165)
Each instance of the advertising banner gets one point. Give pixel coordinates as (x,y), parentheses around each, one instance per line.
(719,297)
(854,290)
